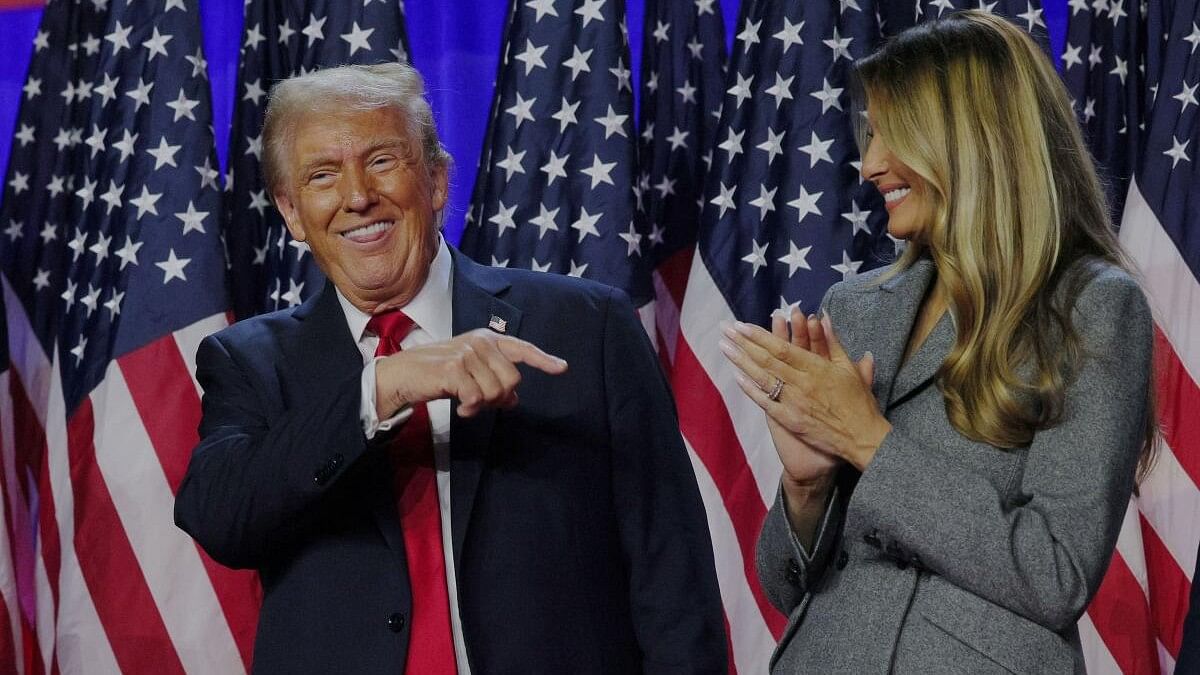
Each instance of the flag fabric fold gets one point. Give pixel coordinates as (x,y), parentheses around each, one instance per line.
(683,73)
(554,192)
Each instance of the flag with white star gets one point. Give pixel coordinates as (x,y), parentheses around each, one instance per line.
(785,215)
(683,73)
(268,270)
(1103,64)
(112,270)
(897,15)
(1134,70)
(554,189)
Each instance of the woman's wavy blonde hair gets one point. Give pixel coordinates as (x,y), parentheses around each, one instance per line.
(972,105)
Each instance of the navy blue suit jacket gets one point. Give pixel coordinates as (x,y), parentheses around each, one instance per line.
(580,540)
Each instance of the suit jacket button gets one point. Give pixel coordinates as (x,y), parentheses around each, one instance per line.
(335,461)
(793,573)
(396,622)
(872,539)
(842,560)
(899,555)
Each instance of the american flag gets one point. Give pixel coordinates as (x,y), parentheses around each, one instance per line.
(1135,623)
(268,269)
(896,16)
(683,72)
(785,216)
(112,272)
(555,186)
(1104,68)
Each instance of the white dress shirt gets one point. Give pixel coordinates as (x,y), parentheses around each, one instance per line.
(433,314)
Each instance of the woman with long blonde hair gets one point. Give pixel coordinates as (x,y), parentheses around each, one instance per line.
(960,431)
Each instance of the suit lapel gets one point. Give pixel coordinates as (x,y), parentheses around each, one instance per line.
(321,353)
(889,319)
(924,364)
(475,306)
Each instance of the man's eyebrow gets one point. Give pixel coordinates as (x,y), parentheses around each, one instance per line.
(381,144)
(315,162)
(394,141)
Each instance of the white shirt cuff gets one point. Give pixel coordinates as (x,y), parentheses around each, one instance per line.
(370,419)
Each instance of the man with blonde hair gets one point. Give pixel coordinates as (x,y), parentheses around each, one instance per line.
(436,466)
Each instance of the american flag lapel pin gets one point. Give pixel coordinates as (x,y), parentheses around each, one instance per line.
(497,324)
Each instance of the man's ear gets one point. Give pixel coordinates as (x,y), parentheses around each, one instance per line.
(287,209)
(441,185)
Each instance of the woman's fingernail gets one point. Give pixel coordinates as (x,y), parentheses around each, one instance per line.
(742,327)
(727,347)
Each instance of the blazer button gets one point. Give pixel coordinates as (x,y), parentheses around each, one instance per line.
(793,573)
(872,539)
(335,461)
(842,560)
(396,622)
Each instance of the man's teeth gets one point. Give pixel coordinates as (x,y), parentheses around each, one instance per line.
(369,230)
(896,195)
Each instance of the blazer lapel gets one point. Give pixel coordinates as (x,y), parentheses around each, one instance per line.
(889,320)
(321,353)
(476,305)
(924,364)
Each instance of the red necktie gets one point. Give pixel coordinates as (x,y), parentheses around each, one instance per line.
(431,644)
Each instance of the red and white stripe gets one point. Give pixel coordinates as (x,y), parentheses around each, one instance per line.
(736,465)
(1135,624)
(111,584)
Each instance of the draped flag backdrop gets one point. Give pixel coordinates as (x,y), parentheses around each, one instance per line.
(695,152)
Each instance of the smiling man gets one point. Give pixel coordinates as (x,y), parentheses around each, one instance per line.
(435,466)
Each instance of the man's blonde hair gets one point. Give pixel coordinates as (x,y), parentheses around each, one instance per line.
(387,85)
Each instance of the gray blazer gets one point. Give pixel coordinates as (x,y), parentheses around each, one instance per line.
(952,556)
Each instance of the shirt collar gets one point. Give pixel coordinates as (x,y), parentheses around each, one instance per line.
(430,308)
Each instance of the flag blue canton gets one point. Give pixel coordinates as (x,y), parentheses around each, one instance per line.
(786,213)
(894,17)
(1166,176)
(1103,65)
(554,189)
(268,269)
(683,71)
(110,206)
